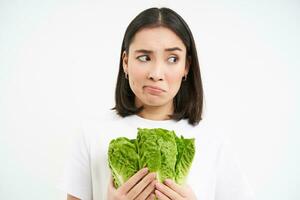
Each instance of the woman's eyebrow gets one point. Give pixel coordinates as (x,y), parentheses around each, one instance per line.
(143,51)
(173,49)
(150,52)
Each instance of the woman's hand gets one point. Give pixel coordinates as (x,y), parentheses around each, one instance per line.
(172,191)
(140,187)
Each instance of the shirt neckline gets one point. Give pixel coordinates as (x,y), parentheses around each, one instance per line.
(153,122)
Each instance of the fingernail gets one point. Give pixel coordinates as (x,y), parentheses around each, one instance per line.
(145,170)
(154,175)
(167,181)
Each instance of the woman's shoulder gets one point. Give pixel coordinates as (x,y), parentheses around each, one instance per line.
(105,116)
(204,131)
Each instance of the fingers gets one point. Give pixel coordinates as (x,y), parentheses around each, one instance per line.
(161,196)
(147,192)
(151,197)
(177,188)
(133,180)
(164,191)
(141,185)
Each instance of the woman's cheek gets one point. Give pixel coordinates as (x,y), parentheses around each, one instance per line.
(174,81)
(137,75)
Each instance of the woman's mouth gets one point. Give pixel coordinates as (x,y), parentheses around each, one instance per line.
(154,90)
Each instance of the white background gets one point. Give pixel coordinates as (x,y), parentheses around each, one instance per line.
(59,62)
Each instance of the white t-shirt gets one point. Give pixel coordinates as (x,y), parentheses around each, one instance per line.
(215,173)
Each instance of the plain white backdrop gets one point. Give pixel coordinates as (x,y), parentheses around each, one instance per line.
(59,61)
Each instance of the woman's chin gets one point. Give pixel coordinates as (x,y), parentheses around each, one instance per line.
(155,103)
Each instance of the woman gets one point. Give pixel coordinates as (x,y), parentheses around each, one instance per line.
(159,85)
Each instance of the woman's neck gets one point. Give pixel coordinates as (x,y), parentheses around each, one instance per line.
(157,112)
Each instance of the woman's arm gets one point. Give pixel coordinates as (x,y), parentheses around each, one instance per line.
(70,197)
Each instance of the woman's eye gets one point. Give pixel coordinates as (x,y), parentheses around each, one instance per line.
(173,59)
(143,58)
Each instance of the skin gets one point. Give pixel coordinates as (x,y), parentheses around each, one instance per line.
(159,67)
(140,186)
(169,190)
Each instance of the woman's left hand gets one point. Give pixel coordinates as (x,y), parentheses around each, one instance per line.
(172,191)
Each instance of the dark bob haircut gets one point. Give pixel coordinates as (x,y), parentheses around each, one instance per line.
(188,102)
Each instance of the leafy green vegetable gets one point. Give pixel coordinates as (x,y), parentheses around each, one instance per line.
(158,149)
(186,152)
(123,159)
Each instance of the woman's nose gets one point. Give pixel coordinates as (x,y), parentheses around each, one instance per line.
(156,73)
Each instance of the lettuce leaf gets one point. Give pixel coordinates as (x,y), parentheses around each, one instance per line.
(158,149)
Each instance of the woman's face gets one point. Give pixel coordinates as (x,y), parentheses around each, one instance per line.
(155,66)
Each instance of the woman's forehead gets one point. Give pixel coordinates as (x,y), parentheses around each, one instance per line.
(156,39)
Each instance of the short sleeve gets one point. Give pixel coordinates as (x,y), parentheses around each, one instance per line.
(231,182)
(76,178)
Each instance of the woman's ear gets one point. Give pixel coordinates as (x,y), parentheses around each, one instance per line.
(125,61)
(187,65)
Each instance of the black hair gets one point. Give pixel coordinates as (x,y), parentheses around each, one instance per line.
(188,102)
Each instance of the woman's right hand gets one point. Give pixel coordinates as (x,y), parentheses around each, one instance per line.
(139,187)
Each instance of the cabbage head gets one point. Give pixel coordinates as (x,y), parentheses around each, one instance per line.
(161,150)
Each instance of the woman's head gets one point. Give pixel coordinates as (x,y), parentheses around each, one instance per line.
(158,51)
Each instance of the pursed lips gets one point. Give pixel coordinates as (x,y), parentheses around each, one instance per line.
(155,88)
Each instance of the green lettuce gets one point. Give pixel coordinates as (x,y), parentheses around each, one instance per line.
(161,150)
